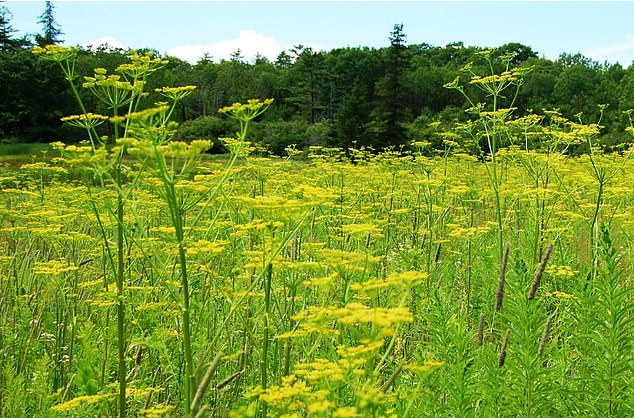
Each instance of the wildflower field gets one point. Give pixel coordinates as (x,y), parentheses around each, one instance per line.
(139,279)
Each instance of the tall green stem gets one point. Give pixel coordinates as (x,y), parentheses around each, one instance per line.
(120,302)
(177,220)
(265,350)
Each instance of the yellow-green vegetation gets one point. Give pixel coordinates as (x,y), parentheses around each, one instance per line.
(137,279)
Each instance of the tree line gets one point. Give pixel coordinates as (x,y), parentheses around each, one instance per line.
(345,97)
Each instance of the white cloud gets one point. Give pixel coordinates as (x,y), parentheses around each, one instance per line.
(622,52)
(249,42)
(109,42)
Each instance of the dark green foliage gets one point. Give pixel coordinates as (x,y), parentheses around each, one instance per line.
(393,92)
(277,136)
(34,98)
(357,96)
(207,127)
(521,52)
(6,30)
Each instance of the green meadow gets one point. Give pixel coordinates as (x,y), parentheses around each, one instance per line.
(487,277)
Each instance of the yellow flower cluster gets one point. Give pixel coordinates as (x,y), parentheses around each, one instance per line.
(156,411)
(53,267)
(319,369)
(176,94)
(561,295)
(55,52)
(247,111)
(506,76)
(112,81)
(361,230)
(141,65)
(427,366)
(561,271)
(85,121)
(282,395)
(405,279)
(204,247)
(322,318)
(81,402)
(457,231)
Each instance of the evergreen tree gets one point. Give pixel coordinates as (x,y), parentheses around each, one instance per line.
(6,30)
(309,84)
(393,92)
(51,29)
(355,73)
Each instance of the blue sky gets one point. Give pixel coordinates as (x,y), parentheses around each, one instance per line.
(600,30)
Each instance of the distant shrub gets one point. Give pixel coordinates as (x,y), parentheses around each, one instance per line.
(207,127)
(276,136)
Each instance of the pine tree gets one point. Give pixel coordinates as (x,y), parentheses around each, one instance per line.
(51,29)
(393,91)
(6,30)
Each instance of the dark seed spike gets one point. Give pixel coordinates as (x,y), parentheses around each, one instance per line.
(480,336)
(542,340)
(540,272)
(505,343)
(438,249)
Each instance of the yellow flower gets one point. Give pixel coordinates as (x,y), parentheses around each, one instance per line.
(561,271)
(427,366)
(156,411)
(53,267)
(81,401)
(322,281)
(361,230)
(86,121)
(346,412)
(505,77)
(360,351)
(57,53)
(279,396)
(248,111)
(207,248)
(320,318)
(175,93)
(404,279)
(560,295)
(320,406)
(141,65)
(319,369)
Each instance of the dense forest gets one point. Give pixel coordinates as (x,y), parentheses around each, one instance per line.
(345,97)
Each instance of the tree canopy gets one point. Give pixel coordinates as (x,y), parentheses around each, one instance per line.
(347,97)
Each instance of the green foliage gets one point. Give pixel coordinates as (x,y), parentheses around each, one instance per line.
(392,92)
(30,111)
(6,30)
(367,97)
(11,149)
(607,355)
(208,128)
(137,279)
(277,136)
